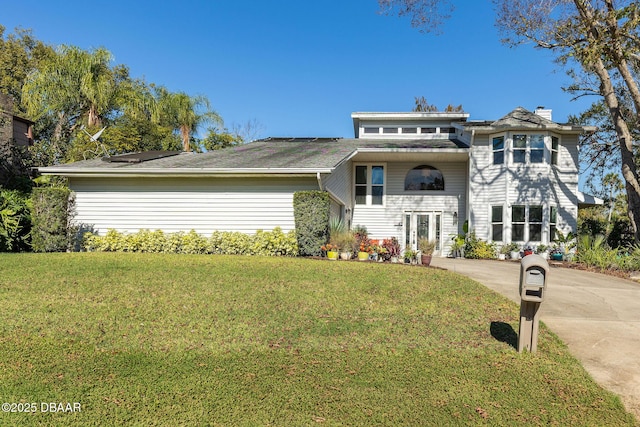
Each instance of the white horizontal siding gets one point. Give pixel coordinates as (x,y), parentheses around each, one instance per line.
(539,184)
(387,221)
(338,183)
(182,204)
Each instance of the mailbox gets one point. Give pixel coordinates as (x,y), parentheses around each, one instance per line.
(533,278)
(533,284)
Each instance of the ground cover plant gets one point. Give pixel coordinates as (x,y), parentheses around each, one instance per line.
(160,339)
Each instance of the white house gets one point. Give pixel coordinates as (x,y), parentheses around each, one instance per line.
(406,175)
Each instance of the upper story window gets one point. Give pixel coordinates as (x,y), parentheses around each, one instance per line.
(371,130)
(525,148)
(528,148)
(369,185)
(554,150)
(447,130)
(422,178)
(409,130)
(427,130)
(498,150)
(389,130)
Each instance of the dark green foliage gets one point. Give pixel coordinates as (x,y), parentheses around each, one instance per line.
(311,211)
(50,215)
(15,221)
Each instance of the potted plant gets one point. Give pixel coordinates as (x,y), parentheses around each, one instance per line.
(363,252)
(457,247)
(513,249)
(543,251)
(345,241)
(392,249)
(409,256)
(331,251)
(426,250)
(504,251)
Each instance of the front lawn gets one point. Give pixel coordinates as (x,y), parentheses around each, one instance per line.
(142,339)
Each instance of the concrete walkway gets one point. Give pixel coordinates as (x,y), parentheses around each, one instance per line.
(597,316)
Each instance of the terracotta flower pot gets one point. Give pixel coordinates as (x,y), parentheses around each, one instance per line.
(426,260)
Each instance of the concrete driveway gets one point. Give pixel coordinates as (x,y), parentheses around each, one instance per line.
(597,316)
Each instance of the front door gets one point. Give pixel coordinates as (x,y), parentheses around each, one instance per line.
(419,225)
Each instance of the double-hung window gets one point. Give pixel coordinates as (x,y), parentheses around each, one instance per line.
(498,150)
(519,148)
(554,151)
(528,148)
(536,148)
(369,185)
(496,223)
(535,223)
(553,218)
(518,220)
(526,223)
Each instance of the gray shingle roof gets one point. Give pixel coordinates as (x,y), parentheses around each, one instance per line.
(304,154)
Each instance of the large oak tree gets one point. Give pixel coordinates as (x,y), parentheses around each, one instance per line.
(600,38)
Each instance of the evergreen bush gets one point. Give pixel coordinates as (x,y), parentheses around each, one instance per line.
(311,212)
(15,221)
(50,214)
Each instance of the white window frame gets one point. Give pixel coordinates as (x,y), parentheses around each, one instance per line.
(546,148)
(369,185)
(496,223)
(503,150)
(527,223)
(552,150)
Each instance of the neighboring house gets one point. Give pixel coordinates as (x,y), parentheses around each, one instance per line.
(15,137)
(13,128)
(407,175)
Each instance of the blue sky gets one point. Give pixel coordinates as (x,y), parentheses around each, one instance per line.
(300,68)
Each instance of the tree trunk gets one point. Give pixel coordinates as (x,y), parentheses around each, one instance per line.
(629,171)
(613,50)
(184,131)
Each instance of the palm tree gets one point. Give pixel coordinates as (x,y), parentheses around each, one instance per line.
(76,84)
(185,113)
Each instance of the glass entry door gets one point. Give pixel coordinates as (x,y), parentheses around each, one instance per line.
(419,225)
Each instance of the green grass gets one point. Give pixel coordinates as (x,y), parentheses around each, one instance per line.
(244,341)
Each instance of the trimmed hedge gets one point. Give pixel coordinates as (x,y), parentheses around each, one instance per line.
(311,212)
(266,243)
(50,213)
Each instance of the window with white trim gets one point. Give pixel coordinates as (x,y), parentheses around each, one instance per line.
(518,220)
(369,185)
(555,146)
(526,223)
(497,224)
(553,218)
(528,148)
(535,223)
(498,150)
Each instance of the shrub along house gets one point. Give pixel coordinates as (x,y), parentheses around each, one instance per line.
(408,175)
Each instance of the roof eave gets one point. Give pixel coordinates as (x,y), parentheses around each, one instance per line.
(183,172)
(560,129)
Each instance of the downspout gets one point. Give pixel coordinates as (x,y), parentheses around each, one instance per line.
(468,201)
(319,178)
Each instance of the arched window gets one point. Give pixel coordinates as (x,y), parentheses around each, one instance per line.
(424,178)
